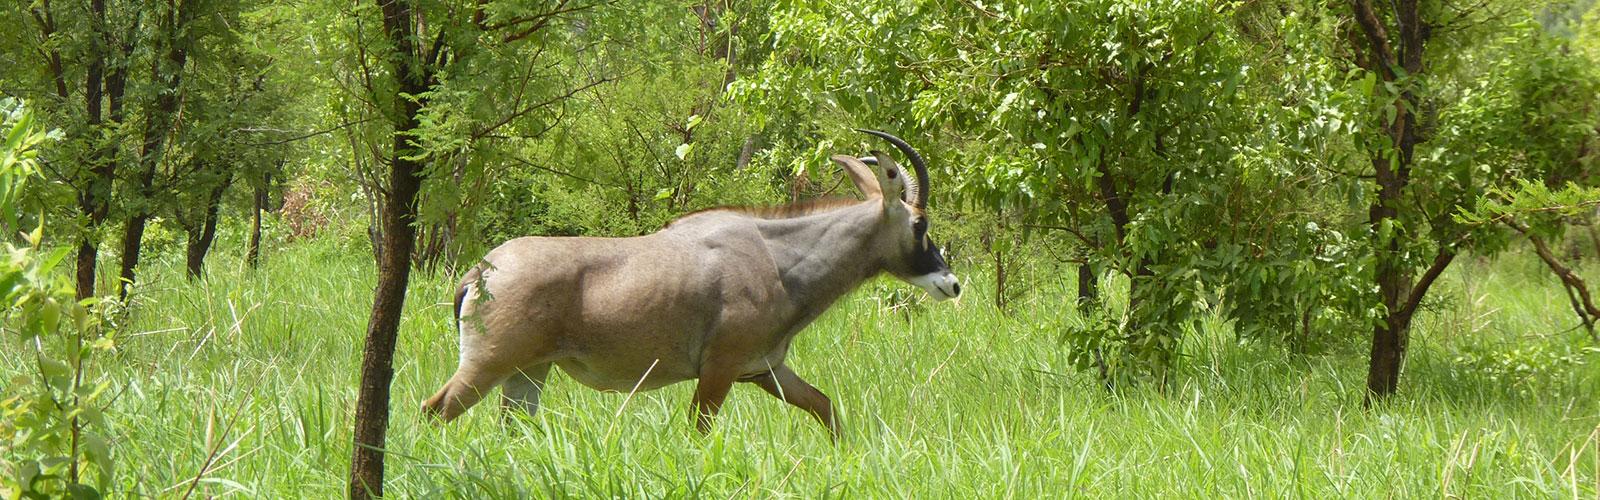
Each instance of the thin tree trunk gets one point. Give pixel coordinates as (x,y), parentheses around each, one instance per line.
(999,279)
(1389,341)
(1088,286)
(167,71)
(372,405)
(1390,336)
(132,241)
(253,251)
(44,16)
(88,258)
(97,202)
(399,238)
(88,202)
(747,152)
(200,242)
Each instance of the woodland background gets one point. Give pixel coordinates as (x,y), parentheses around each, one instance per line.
(1267,246)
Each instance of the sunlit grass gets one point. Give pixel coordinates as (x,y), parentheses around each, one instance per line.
(244,384)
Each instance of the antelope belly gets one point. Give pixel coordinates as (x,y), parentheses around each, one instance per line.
(617,376)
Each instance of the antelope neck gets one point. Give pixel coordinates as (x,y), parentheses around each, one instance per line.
(824,256)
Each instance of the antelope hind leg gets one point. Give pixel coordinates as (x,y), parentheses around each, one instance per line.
(784,384)
(463,390)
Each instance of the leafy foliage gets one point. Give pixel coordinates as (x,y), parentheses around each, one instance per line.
(52,428)
(1259,169)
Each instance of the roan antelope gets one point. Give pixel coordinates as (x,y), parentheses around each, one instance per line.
(716,295)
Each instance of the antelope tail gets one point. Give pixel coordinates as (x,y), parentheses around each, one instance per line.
(461,292)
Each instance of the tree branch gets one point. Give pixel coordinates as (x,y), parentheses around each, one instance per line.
(503,121)
(1441,261)
(1377,36)
(569,175)
(1582,302)
(1069,230)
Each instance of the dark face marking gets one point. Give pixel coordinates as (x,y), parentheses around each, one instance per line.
(928,259)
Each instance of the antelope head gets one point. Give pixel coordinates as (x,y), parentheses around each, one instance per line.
(909,253)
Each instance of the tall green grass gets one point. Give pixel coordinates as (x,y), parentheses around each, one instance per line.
(242,384)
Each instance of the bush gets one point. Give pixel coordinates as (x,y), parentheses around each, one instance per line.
(52,429)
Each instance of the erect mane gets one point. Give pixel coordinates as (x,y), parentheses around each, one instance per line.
(789,211)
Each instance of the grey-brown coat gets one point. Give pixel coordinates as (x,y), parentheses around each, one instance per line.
(717,295)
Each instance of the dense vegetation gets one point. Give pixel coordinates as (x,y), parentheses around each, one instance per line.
(1259,247)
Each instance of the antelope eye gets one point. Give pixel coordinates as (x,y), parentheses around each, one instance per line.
(919,228)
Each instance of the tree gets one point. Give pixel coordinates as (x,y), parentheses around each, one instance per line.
(173,36)
(1118,123)
(240,90)
(437,60)
(1438,136)
(399,217)
(102,46)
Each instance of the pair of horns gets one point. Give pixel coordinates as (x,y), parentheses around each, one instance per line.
(919,189)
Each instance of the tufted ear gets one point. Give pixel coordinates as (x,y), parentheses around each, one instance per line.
(860,174)
(891,180)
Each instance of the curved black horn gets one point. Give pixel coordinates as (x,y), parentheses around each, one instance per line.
(921,198)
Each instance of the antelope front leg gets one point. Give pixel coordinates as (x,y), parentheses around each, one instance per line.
(782,383)
(709,394)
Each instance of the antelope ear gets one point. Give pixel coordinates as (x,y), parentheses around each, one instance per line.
(891,180)
(860,175)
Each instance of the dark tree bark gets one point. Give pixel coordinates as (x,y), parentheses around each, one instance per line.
(166,71)
(1107,185)
(253,251)
(88,202)
(45,18)
(1398,291)
(92,192)
(1088,286)
(201,237)
(102,82)
(399,238)
(132,244)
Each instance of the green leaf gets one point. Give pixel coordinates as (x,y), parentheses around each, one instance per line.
(49,316)
(55,258)
(56,373)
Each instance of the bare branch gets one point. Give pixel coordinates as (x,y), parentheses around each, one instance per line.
(1069,230)
(478,134)
(1441,261)
(569,175)
(1577,290)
